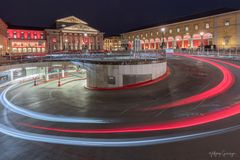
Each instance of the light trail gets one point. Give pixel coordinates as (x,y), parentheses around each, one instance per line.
(226,83)
(227,112)
(102,142)
(46,117)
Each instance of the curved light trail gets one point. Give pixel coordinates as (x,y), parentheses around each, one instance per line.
(229,111)
(46,117)
(97,142)
(227,63)
(177,124)
(226,83)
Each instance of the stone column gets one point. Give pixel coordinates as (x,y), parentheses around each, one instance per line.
(215,34)
(238,31)
(174,44)
(191,43)
(60,41)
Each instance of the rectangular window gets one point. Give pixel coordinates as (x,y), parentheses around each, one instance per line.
(186,28)
(196,27)
(170,31)
(22,35)
(227,23)
(15,35)
(35,35)
(29,35)
(178,30)
(207,25)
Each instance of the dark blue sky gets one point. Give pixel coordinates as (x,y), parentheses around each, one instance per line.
(109,16)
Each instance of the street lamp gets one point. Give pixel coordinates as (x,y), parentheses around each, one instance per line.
(163,32)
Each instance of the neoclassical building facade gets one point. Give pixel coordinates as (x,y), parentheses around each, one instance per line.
(68,35)
(73,34)
(220,28)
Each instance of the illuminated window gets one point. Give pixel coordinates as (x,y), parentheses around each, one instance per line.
(151,33)
(196,27)
(15,35)
(170,31)
(42,36)
(178,30)
(227,23)
(186,28)
(207,25)
(22,35)
(35,35)
(146,34)
(29,35)
(157,33)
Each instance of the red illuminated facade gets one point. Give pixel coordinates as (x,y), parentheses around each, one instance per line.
(27,40)
(69,35)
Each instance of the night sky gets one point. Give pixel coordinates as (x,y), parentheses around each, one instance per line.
(109,16)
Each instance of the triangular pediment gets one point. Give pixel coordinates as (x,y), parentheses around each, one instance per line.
(71,19)
(81,28)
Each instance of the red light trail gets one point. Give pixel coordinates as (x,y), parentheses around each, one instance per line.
(224,113)
(224,85)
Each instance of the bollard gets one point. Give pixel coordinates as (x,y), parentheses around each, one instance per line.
(35,82)
(59,83)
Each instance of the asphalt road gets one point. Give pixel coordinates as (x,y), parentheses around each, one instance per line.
(188,77)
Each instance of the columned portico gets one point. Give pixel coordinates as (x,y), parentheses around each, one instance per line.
(73,35)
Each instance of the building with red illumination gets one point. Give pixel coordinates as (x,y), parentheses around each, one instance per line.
(69,35)
(26,40)
(3,37)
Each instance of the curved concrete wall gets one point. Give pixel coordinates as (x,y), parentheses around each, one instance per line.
(111,76)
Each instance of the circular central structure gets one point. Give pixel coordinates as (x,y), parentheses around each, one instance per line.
(122,71)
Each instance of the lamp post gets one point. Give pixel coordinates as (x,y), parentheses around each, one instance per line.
(202,45)
(163,34)
(66,44)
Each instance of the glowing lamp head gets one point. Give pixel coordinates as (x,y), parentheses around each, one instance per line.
(201,33)
(163,29)
(85,34)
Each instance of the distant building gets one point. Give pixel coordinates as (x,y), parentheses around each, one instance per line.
(3,37)
(113,43)
(73,35)
(220,28)
(26,40)
(69,35)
